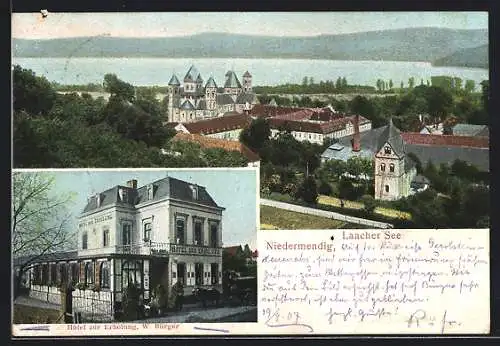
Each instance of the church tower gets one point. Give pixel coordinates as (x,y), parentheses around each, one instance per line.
(247,82)
(393,170)
(173,97)
(211,94)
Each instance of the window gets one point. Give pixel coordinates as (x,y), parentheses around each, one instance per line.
(214,234)
(181,273)
(147,231)
(391,167)
(126,234)
(105,237)
(63,273)
(382,167)
(387,188)
(84,240)
(36,275)
(150,191)
(132,274)
(45,274)
(104,274)
(74,273)
(214,273)
(387,150)
(89,273)
(53,274)
(198,273)
(198,234)
(180,227)
(194,190)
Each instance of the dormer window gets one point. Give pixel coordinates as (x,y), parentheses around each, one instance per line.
(387,150)
(150,191)
(98,200)
(194,190)
(123,195)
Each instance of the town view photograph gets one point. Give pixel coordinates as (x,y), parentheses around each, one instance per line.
(350,119)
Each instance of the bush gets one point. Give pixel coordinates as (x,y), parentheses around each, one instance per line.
(369,203)
(325,188)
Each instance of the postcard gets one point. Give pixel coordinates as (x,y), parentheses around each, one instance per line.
(244,173)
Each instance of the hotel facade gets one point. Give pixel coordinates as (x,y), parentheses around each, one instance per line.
(158,234)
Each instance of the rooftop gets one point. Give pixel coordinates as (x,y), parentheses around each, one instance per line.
(208,142)
(167,187)
(227,122)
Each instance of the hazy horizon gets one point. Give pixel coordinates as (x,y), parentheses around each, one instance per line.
(286,24)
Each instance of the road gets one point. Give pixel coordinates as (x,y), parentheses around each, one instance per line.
(324,213)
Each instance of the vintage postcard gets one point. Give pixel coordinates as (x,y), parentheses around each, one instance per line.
(354,145)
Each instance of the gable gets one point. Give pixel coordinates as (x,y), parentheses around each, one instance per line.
(387,152)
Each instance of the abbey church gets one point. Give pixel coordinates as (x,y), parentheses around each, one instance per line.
(193,101)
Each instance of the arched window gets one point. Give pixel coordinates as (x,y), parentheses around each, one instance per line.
(391,167)
(89,273)
(382,167)
(131,274)
(104,274)
(387,188)
(126,234)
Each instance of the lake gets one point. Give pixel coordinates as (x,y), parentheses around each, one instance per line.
(157,71)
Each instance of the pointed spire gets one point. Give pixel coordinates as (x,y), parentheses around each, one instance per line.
(174,81)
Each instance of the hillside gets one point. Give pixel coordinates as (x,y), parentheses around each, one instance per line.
(469,57)
(414,44)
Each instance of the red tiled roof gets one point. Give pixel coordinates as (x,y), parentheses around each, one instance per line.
(445,140)
(208,142)
(219,124)
(233,250)
(315,127)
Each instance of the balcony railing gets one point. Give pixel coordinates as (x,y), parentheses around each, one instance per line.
(164,249)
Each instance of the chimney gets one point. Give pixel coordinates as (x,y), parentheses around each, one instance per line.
(132,184)
(356,142)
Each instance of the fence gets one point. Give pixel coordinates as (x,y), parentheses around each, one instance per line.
(92,306)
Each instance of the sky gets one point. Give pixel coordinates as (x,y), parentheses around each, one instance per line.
(234,189)
(56,25)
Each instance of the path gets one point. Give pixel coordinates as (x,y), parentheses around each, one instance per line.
(36,303)
(205,315)
(324,213)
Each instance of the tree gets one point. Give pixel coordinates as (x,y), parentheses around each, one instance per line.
(411,82)
(256,136)
(116,87)
(311,81)
(338,84)
(32,94)
(344,82)
(39,219)
(304,81)
(391,84)
(470,86)
(307,191)
(485,93)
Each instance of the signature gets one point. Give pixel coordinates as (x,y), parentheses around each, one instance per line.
(307,326)
(421,318)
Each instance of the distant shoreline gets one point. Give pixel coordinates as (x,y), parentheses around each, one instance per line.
(242,58)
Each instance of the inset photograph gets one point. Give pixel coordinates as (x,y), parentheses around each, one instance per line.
(94,246)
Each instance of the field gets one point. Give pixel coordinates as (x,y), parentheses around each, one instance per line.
(24,314)
(275,218)
(328,200)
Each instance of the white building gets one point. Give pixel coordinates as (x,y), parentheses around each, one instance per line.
(163,232)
